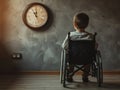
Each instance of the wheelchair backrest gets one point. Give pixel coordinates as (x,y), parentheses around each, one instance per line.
(81,51)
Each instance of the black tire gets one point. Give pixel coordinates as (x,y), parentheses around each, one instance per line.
(65,74)
(61,68)
(99,70)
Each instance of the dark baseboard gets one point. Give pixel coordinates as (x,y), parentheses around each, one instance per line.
(51,73)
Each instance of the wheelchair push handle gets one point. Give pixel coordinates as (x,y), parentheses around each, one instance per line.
(95,33)
(68,35)
(95,36)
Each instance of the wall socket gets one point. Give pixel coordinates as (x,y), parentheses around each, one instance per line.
(16,56)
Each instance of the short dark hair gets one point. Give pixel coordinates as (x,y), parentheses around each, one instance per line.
(81,19)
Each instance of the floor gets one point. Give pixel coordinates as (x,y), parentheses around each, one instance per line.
(52,82)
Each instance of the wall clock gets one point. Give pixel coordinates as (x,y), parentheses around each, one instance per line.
(35,15)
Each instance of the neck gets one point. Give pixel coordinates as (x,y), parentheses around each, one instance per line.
(81,30)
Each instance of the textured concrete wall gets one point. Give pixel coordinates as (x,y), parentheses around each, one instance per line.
(41,50)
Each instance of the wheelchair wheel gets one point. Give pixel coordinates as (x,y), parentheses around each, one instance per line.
(99,70)
(65,73)
(94,69)
(61,68)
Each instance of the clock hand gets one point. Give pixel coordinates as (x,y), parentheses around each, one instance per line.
(35,13)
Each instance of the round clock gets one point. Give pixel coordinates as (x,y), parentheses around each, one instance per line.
(35,15)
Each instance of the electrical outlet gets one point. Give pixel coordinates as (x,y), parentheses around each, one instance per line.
(16,56)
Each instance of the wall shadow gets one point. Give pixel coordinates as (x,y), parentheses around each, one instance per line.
(8,69)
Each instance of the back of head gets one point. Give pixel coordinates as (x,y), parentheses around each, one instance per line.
(81,20)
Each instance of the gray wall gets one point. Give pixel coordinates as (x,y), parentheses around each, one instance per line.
(41,50)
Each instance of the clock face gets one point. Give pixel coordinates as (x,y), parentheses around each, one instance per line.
(35,15)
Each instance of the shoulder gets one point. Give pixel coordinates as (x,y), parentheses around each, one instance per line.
(88,33)
(73,33)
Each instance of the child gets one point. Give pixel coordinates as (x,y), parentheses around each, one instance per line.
(80,22)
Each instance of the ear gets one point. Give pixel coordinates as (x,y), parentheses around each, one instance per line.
(75,25)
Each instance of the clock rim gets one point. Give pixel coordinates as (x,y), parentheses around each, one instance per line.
(25,14)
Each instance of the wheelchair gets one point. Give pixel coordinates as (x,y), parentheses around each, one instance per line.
(81,53)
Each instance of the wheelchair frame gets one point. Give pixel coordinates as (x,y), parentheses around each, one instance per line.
(96,69)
